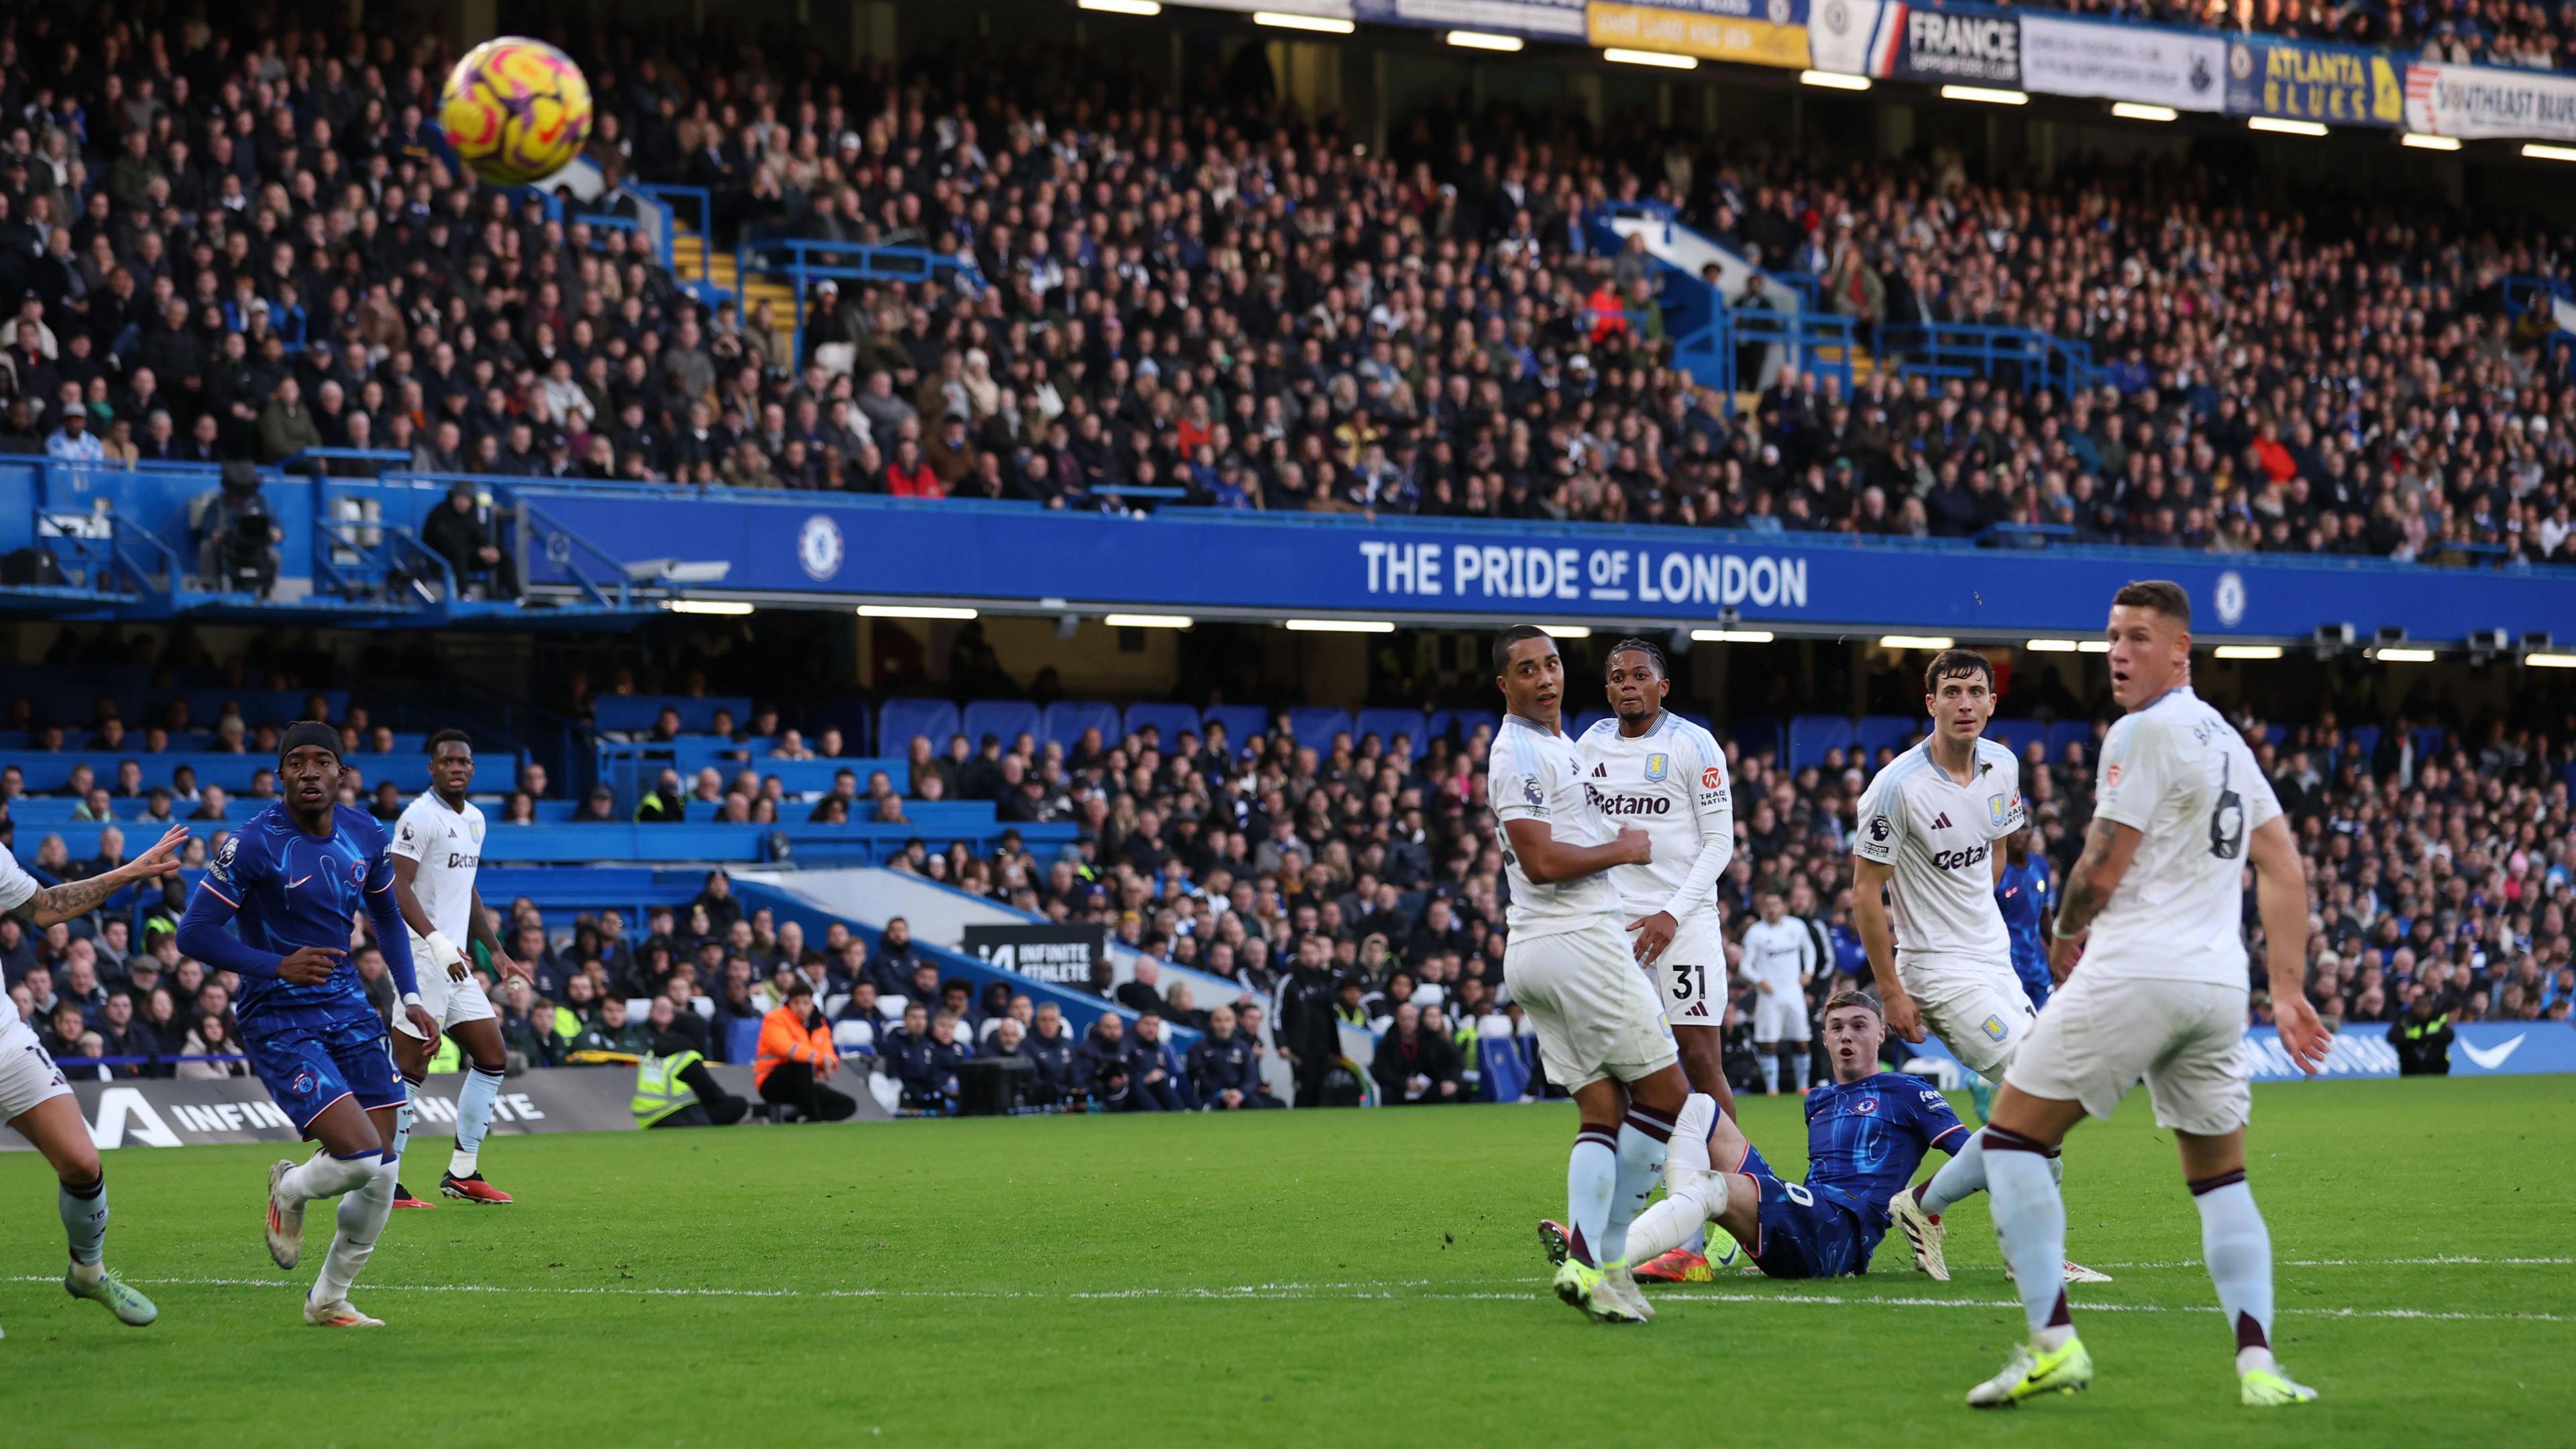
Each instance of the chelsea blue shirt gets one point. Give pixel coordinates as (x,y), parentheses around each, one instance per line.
(1865,1139)
(284,889)
(2023,896)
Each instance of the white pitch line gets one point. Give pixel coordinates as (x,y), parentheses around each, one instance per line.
(2445,1261)
(1312,1292)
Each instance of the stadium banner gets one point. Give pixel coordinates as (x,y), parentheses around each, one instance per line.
(155,1112)
(2338,85)
(814,546)
(2362,1049)
(2482,101)
(1554,19)
(1060,954)
(2123,62)
(1950,44)
(1328,9)
(1755,32)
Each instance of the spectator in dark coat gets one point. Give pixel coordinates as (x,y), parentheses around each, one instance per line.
(1051,1050)
(1415,1066)
(1101,1063)
(1156,1067)
(1225,1070)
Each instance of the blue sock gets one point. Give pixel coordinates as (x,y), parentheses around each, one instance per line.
(1591,1181)
(2031,1219)
(84,1211)
(473,1118)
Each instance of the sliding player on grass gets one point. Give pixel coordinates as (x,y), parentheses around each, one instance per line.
(292,881)
(1654,770)
(38,1104)
(1867,1131)
(437,845)
(1601,1031)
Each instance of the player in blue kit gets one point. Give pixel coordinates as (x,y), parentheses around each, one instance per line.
(1867,1132)
(292,880)
(2023,893)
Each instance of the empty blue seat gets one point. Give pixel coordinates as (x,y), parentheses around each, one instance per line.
(1315,725)
(1756,734)
(1066,719)
(901,720)
(1008,718)
(2017,734)
(1463,723)
(2366,736)
(1241,721)
(1167,718)
(1386,724)
(637,712)
(1582,724)
(1812,735)
(2430,742)
(1888,732)
(2066,732)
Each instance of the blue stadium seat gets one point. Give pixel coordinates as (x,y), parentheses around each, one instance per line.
(2017,734)
(1314,726)
(1463,723)
(742,1039)
(1241,721)
(2274,734)
(2367,736)
(902,719)
(1811,735)
(1008,718)
(1888,732)
(1170,719)
(2066,732)
(1754,734)
(1582,724)
(1066,719)
(637,712)
(2430,741)
(1386,724)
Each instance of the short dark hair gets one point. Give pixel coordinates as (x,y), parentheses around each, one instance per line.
(1504,641)
(2162,595)
(448,736)
(1646,647)
(1841,999)
(1953,663)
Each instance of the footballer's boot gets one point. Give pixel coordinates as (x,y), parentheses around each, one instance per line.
(1620,1282)
(1681,1265)
(1552,1238)
(109,1292)
(1923,1233)
(2269,1388)
(2031,1371)
(404,1197)
(285,1221)
(339,1314)
(2073,1272)
(1587,1289)
(471,1189)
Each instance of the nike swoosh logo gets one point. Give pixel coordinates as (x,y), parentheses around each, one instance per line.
(299,880)
(2493,1057)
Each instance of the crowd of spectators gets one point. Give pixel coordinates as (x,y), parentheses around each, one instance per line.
(231,245)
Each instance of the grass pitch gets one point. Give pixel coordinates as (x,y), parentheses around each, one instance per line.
(1349,1277)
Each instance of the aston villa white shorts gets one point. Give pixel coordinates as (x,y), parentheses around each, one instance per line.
(2101,1034)
(1780,1015)
(1595,1014)
(450,1003)
(1978,1009)
(28,1077)
(1690,977)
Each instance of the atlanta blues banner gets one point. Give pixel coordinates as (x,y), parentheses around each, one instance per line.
(2294,80)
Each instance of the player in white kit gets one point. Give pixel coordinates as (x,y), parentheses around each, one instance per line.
(2155,909)
(437,845)
(1652,769)
(1568,965)
(1780,959)
(1926,837)
(37,1103)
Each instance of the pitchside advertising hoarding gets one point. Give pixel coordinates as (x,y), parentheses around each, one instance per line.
(1198,562)
(2362,1049)
(156,1113)
(1062,955)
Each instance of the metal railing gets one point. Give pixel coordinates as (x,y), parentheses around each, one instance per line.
(803,261)
(2022,357)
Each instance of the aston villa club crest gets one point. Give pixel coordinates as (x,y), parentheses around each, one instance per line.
(1996,810)
(1657,765)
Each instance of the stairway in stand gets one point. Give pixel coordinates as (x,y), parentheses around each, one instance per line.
(693,261)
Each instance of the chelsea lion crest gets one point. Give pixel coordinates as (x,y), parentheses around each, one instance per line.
(818,548)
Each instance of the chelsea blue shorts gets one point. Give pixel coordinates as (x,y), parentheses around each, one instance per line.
(308,1067)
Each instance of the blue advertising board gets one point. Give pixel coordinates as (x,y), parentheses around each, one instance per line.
(2361,1049)
(2337,85)
(1257,563)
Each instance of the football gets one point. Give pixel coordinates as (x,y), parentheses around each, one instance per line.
(516,110)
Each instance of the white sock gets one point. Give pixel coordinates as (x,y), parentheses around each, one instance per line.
(361,1219)
(1770,1071)
(2031,1219)
(404,1116)
(1591,1180)
(1798,1067)
(1686,1156)
(1962,1176)
(2238,1248)
(473,1118)
(327,1176)
(1641,1167)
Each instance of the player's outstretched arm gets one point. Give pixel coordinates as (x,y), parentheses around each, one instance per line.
(1878,938)
(1549,861)
(2281,894)
(79,897)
